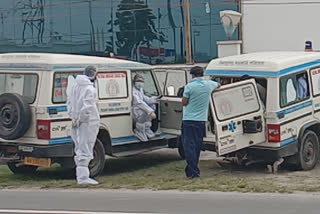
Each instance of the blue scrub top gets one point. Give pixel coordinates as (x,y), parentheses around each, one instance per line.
(198,92)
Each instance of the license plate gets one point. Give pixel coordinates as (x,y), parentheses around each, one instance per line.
(43,162)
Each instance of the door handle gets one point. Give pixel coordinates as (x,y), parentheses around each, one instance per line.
(178,111)
(257,118)
(280,115)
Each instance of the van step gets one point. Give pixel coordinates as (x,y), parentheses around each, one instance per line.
(135,147)
(134,139)
(135,152)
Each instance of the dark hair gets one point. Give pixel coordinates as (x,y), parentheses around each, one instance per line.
(245,77)
(196,71)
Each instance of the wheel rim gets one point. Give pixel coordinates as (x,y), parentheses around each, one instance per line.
(308,152)
(9,116)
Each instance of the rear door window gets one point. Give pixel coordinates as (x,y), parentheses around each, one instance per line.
(23,84)
(232,103)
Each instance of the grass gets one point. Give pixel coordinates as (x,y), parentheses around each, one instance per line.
(166,172)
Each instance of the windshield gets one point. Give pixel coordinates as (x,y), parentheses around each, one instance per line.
(23,84)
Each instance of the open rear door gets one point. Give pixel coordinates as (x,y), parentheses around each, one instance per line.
(171,108)
(238,117)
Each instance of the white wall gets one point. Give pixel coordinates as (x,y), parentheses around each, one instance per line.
(280,24)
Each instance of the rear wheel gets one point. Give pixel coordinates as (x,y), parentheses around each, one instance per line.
(96,165)
(308,154)
(17,168)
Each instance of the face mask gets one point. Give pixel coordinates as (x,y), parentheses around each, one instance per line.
(139,85)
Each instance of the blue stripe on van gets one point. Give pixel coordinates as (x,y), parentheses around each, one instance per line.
(288,141)
(114,140)
(57,108)
(262,73)
(241,73)
(60,140)
(295,108)
(130,138)
(124,139)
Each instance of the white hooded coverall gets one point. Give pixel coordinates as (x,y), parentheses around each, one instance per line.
(83,110)
(142,109)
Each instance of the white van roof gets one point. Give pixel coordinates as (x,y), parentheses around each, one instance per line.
(178,66)
(263,63)
(47,61)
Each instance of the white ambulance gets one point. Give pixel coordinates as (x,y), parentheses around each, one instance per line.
(268,108)
(34,124)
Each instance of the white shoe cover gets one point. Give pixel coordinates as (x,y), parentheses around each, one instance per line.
(140,133)
(149,132)
(88,181)
(141,136)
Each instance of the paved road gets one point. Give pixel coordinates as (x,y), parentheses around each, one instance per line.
(156,202)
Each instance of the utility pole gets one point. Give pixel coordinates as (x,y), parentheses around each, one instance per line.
(187,32)
(51,20)
(70,21)
(240,8)
(112,27)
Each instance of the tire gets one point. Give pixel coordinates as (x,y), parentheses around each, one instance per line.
(22,169)
(96,165)
(308,154)
(15,116)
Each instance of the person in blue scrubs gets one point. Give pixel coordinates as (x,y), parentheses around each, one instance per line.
(196,102)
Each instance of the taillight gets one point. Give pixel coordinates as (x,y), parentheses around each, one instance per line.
(43,129)
(274,134)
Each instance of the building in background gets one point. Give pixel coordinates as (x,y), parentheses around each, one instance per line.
(150,31)
(273,25)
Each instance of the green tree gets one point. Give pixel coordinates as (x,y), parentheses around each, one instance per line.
(136,27)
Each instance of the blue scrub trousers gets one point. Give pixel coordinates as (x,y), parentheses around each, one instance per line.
(192,140)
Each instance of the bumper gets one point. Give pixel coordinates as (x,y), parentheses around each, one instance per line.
(271,154)
(40,151)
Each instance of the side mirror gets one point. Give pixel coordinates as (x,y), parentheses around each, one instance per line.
(170,91)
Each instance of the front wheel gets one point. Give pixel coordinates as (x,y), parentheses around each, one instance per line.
(308,154)
(96,165)
(17,168)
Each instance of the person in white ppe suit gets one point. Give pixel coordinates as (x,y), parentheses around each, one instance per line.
(143,110)
(83,110)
